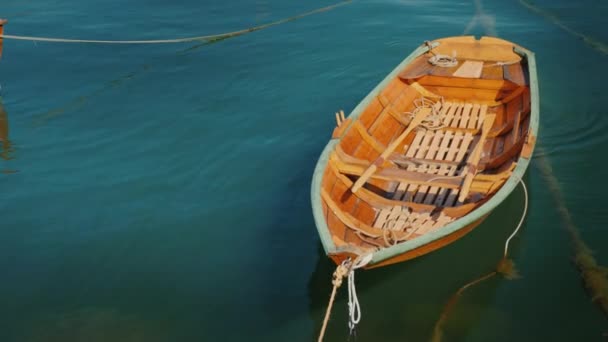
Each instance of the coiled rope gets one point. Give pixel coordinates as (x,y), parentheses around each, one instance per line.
(346,270)
(440,60)
(505,267)
(208,38)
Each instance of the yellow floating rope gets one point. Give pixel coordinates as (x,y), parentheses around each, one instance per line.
(505,267)
(594,276)
(208,38)
(438,329)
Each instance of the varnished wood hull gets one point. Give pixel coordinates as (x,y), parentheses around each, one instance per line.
(496,77)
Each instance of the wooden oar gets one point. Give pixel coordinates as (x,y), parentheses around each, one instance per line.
(417,120)
(475,156)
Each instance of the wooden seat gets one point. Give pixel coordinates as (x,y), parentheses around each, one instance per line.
(469,69)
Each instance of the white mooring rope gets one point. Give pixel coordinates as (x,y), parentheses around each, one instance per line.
(346,270)
(521,220)
(354,309)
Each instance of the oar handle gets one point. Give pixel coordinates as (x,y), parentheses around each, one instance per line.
(364,177)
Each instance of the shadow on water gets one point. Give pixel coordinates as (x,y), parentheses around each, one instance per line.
(404,301)
(94,325)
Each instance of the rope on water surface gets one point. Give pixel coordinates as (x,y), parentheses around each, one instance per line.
(346,270)
(594,276)
(592,42)
(505,267)
(213,37)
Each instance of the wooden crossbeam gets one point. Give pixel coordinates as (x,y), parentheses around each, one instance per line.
(399,175)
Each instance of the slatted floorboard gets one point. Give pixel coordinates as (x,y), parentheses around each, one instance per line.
(447,150)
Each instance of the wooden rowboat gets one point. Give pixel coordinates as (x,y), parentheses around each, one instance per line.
(429,153)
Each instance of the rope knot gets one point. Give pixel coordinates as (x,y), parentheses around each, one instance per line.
(341,272)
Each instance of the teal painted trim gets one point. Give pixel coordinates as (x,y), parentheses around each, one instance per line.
(499,197)
(315,195)
(315,191)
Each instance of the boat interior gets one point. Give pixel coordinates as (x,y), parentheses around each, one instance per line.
(471,126)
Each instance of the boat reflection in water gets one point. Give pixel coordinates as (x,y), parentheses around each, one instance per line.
(2,23)
(5,143)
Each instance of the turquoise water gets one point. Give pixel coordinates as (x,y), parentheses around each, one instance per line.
(161,193)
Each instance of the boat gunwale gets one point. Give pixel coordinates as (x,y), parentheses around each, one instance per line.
(483,210)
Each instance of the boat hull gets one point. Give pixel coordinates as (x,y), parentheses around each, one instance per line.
(338,248)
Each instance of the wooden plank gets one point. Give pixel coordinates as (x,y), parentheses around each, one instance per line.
(453,115)
(383,100)
(417,120)
(401,222)
(475,157)
(466,113)
(469,69)
(395,174)
(472,83)
(502,158)
(482,115)
(449,115)
(445,106)
(432,152)
(373,199)
(515,93)
(382,217)
(492,72)
(466,142)
(528,148)
(451,156)
(438,161)
(491,97)
(516,123)
(473,121)
(411,188)
(375,144)
(348,219)
(441,155)
(392,217)
(402,119)
(426,226)
(354,223)
(473,131)
(439,222)
(515,74)
(457,115)
(345,157)
(341,129)
(418,67)
(421,221)
(411,151)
